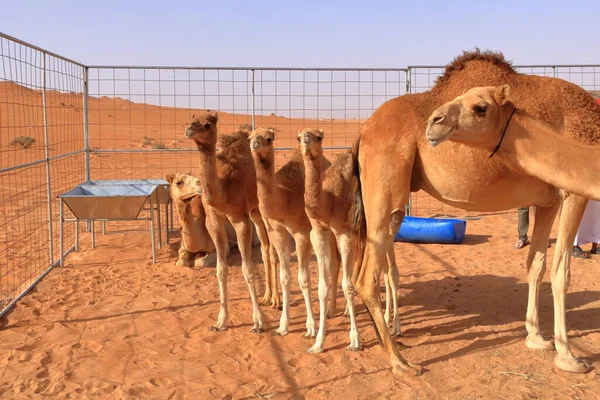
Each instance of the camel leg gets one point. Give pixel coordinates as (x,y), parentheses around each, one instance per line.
(536,265)
(271,291)
(388,297)
(215,225)
(334,268)
(367,287)
(320,238)
(571,214)
(243,231)
(278,236)
(393,282)
(303,248)
(346,249)
(275,295)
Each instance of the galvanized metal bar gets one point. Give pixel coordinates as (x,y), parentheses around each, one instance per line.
(93,234)
(106,219)
(32,163)
(76,235)
(253,102)
(179,67)
(60,233)
(159,223)
(193,150)
(86,125)
(47,156)
(33,284)
(152,230)
(14,39)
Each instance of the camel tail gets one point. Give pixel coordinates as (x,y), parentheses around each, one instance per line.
(357,212)
(359,224)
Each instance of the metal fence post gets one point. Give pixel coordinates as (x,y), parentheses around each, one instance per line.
(253,100)
(47,156)
(86,125)
(408,208)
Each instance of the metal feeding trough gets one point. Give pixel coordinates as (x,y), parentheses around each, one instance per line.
(115,200)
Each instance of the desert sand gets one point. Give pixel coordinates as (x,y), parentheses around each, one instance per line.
(112,325)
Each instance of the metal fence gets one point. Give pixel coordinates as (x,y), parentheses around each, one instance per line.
(62,123)
(41,155)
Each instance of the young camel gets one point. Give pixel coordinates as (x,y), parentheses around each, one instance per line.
(281,202)
(328,199)
(550,143)
(197,248)
(228,181)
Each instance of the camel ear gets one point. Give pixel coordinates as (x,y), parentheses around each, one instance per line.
(169,178)
(503,93)
(320,131)
(216,116)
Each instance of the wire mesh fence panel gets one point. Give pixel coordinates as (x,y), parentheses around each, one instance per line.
(40,121)
(138,115)
(423,78)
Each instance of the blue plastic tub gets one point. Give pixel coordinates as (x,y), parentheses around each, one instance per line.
(431,230)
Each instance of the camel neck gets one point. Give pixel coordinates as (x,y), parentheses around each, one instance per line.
(533,148)
(211,189)
(313,185)
(265,178)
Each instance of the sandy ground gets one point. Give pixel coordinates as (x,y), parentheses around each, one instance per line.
(112,325)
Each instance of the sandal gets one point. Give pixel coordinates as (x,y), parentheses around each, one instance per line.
(596,251)
(579,253)
(521,243)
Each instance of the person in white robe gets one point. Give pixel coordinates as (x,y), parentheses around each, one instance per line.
(589,231)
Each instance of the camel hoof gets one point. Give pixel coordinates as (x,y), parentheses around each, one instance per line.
(217,328)
(354,348)
(315,349)
(257,330)
(309,335)
(409,368)
(571,364)
(281,332)
(539,343)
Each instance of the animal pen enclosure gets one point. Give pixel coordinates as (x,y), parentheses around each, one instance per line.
(63,123)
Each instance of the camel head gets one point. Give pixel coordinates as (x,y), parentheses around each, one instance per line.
(203,128)
(261,143)
(183,187)
(311,142)
(477,117)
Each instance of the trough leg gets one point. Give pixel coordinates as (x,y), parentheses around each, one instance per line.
(152,231)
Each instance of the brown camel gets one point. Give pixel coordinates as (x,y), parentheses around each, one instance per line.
(281,202)
(197,248)
(546,153)
(328,199)
(228,181)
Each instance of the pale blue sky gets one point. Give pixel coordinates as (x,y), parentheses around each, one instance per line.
(306,34)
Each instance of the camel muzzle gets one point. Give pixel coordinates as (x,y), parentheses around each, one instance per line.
(255,145)
(437,134)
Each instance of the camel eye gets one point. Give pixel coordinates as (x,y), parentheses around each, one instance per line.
(480,109)
(319,138)
(269,140)
(179,183)
(207,126)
